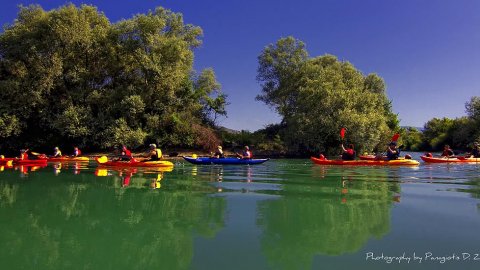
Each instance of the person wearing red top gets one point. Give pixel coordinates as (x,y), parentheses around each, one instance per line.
(126,154)
(76,152)
(447,152)
(23,154)
(348,153)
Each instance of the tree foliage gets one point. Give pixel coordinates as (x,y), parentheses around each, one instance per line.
(317,96)
(70,75)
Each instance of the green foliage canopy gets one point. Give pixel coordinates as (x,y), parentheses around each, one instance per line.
(317,96)
(69,75)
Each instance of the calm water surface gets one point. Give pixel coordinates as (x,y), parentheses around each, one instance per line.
(284,214)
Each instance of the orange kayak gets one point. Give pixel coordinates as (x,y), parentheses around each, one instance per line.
(65,159)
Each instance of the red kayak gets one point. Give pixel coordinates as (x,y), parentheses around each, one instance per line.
(450,159)
(38,162)
(396,162)
(4,161)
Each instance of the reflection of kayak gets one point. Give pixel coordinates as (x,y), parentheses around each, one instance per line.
(397,162)
(65,159)
(33,162)
(228,161)
(449,160)
(135,163)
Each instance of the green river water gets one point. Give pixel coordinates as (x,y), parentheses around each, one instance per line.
(283,214)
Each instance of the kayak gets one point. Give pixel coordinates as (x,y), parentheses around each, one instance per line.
(449,160)
(367,157)
(134,163)
(397,162)
(31,162)
(66,159)
(224,161)
(4,161)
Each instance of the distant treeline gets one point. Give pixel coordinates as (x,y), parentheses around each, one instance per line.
(459,133)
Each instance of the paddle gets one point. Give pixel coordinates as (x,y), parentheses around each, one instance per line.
(395,137)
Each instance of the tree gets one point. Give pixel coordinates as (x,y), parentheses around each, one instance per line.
(69,76)
(317,96)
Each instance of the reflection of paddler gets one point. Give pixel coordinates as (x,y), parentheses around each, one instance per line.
(156,181)
(101,172)
(57,168)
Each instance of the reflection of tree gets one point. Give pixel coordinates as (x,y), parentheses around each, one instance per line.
(67,222)
(337,215)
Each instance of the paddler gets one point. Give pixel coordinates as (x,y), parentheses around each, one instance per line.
(392,151)
(126,154)
(348,153)
(56,152)
(24,154)
(154,153)
(218,153)
(475,151)
(76,152)
(447,152)
(246,153)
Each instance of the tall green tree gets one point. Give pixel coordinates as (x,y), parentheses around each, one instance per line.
(70,76)
(317,96)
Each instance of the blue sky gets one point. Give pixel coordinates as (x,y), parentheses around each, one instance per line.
(428,51)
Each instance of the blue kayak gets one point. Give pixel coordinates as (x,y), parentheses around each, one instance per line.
(229,161)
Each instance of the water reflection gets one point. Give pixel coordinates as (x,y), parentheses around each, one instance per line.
(336,214)
(82,217)
(134,177)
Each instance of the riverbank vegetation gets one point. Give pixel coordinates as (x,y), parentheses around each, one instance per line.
(71,77)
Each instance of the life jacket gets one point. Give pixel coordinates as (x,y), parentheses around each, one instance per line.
(57,153)
(349,154)
(247,154)
(77,152)
(127,153)
(157,155)
(24,156)
(447,153)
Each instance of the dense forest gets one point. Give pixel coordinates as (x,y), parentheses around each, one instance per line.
(71,77)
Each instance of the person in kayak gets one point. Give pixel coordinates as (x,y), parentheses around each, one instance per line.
(24,154)
(126,154)
(475,151)
(392,151)
(447,152)
(76,152)
(218,153)
(154,153)
(56,152)
(246,153)
(348,153)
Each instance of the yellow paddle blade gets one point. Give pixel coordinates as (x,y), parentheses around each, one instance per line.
(2,168)
(2,157)
(102,159)
(9,163)
(194,156)
(35,153)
